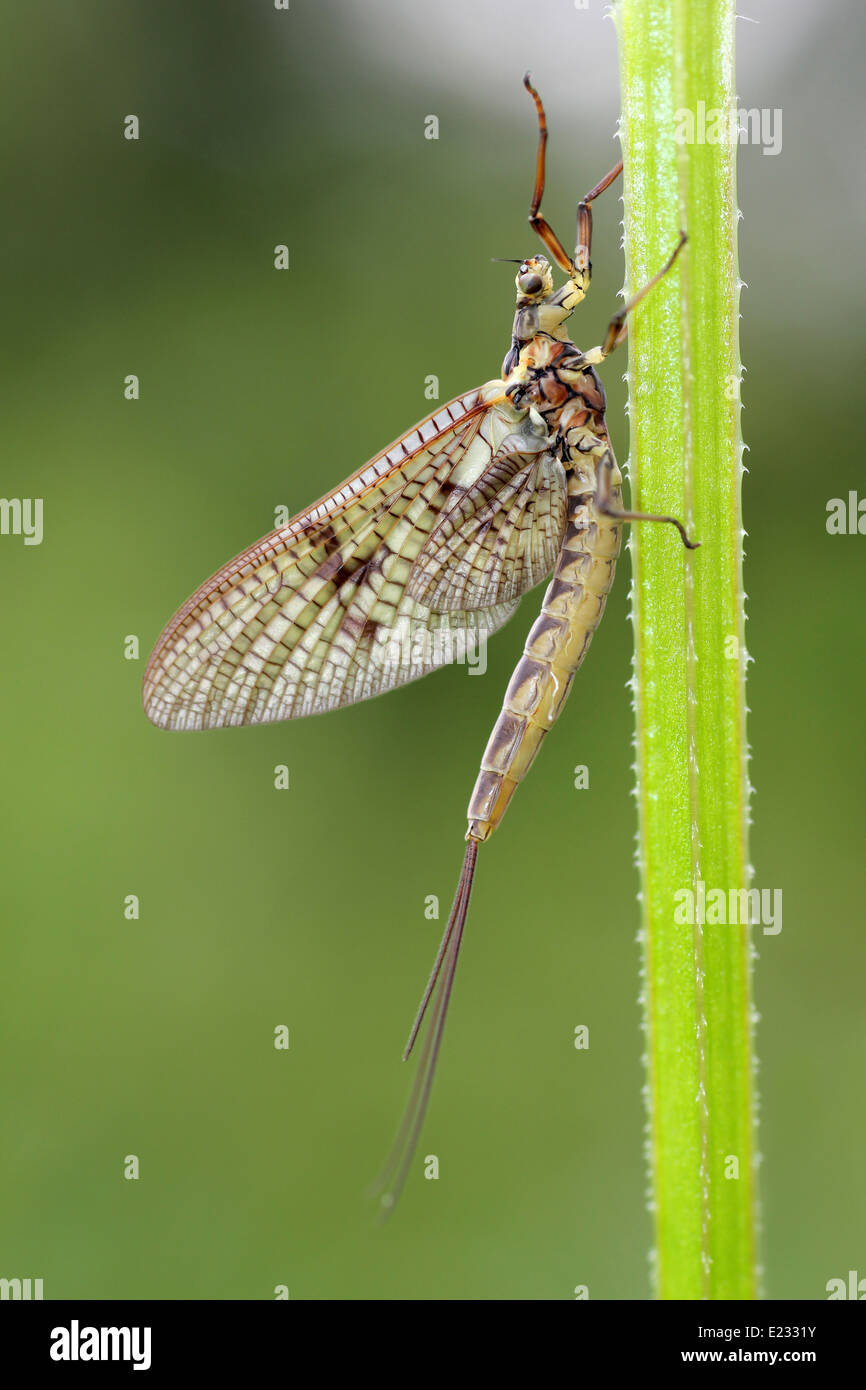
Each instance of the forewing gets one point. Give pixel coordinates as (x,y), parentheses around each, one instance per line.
(317,614)
(501,536)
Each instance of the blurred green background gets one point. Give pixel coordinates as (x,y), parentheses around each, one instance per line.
(306,907)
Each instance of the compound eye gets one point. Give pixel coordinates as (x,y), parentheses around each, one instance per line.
(529,282)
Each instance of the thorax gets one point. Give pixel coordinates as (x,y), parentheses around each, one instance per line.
(551,377)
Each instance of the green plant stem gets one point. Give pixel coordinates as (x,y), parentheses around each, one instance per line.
(686,459)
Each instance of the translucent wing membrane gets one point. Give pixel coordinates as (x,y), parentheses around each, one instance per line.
(338,605)
(501,537)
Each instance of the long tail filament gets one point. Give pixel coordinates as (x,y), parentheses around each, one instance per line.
(393,1175)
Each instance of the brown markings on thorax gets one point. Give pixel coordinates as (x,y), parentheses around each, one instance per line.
(580,401)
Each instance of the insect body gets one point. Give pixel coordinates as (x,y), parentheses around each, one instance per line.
(582,576)
(430,544)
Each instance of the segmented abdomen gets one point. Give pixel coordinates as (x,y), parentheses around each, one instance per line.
(555,647)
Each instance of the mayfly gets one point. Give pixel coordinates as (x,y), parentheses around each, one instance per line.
(437,537)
